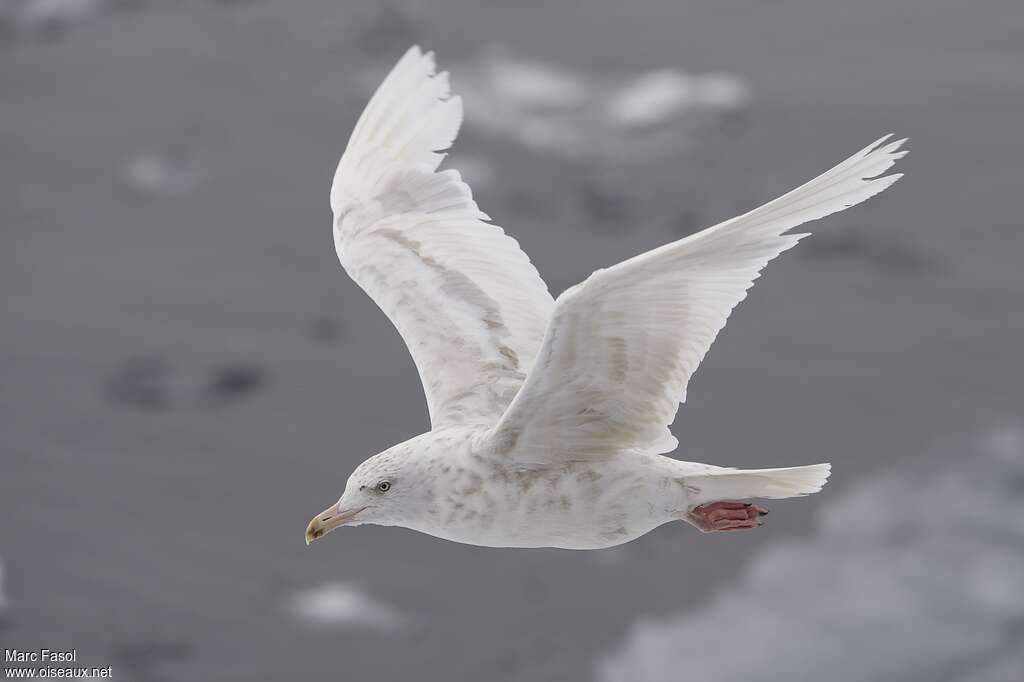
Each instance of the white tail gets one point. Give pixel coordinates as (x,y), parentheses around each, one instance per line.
(739,484)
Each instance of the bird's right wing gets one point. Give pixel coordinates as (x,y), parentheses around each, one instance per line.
(621,346)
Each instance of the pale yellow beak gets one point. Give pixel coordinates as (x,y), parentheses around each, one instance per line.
(327,520)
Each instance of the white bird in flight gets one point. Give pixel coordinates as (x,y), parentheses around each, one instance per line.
(549,418)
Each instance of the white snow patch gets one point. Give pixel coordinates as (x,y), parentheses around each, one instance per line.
(915,576)
(720,91)
(536,85)
(163,173)
(345,605)
(657,96)
(651,98)
(583,115)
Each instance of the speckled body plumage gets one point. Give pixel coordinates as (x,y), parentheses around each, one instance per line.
(477,497)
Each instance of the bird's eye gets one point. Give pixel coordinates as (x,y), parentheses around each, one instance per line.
(384,486)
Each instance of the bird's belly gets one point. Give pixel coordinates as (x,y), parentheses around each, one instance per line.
(574,507)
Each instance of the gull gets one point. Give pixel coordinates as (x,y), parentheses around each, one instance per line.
(549,417)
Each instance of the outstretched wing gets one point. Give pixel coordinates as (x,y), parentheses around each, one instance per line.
(621,346)
(467,301)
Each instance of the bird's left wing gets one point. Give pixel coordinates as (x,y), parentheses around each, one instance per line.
(622,345)
(467,301)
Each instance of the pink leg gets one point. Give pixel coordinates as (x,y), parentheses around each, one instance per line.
(726,516)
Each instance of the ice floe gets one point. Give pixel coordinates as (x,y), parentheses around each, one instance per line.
(914,576)
(165,174)
(345,605)
(575,114)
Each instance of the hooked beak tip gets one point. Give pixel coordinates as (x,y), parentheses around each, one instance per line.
(313,531)
(316,528)
(326,521)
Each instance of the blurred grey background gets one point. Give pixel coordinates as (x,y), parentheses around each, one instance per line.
(188,376)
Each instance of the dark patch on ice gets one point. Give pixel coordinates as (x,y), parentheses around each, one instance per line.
(141,383)
(232,382)
(152,383)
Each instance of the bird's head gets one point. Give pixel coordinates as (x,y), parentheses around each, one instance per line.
(385,490)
